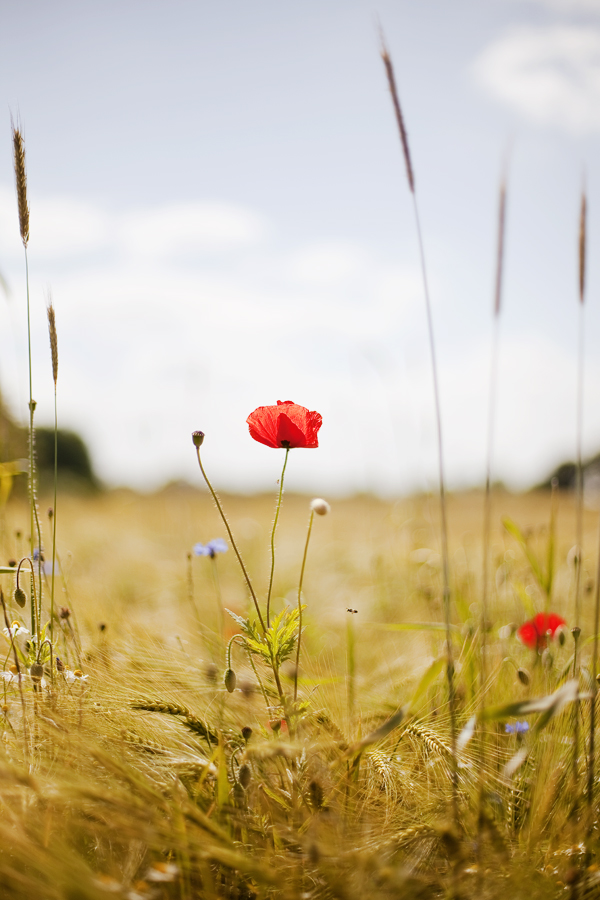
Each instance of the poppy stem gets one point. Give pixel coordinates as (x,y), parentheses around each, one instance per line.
(287,452)
(233,543)
(310,524)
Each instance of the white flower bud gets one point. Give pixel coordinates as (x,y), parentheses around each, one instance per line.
(321,507)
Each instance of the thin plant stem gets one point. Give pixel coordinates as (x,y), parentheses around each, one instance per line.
(219,599)
(287,452)
(351,667)
(190,593)
(19,680)
(310,524)
(232,539)
(54,517)
(487,505)
(438,418)
(594,692)
(444,520)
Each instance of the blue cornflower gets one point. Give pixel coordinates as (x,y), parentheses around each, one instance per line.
(213,547)
(517,728)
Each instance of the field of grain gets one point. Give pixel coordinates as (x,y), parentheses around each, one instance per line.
(150,778)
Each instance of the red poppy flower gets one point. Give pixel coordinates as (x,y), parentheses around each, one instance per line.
(534,633)
(285,425)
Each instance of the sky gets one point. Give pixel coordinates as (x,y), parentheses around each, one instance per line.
(220,213)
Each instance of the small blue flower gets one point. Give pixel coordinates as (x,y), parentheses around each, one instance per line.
(213,547)
(517,728)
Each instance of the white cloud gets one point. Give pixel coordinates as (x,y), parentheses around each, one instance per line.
(570,6)
(550,75)
(60,227)
(190,227)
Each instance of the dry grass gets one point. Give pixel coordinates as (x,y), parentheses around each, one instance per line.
(152,764)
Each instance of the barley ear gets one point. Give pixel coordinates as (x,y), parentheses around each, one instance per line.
(21,182)
(389,71)
(53,340)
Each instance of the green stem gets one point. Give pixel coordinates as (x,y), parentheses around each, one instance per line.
(54,518)
(219,601)
(287,451)
(310,523)
(351,668)
(231,538)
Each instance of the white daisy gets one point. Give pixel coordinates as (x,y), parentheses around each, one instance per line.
(15,629)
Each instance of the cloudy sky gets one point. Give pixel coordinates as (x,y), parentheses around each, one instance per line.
(220,211)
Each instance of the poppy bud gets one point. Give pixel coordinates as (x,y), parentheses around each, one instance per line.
(20,598)
(60,666)
(321,507)
(245,775)
(523,676)
(275,725)
(36,671)
(246,733)
(197,438)
(230,680)
(575,631)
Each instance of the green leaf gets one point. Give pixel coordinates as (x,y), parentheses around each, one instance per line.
(535,565)
(431,674)
(550,705)
(380,733)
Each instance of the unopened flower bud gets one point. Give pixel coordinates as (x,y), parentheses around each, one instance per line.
(197,438)
(275,725)
(575,631)
(246,733)
(523,676)
(561,636)
(36,671)
(20,598)
(60,666)
(230,680)
(245,775)
(321,507)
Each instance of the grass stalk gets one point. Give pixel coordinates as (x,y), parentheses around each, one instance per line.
(275,521)
(487,504)
(300,583)
(438,418)
(54,354)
